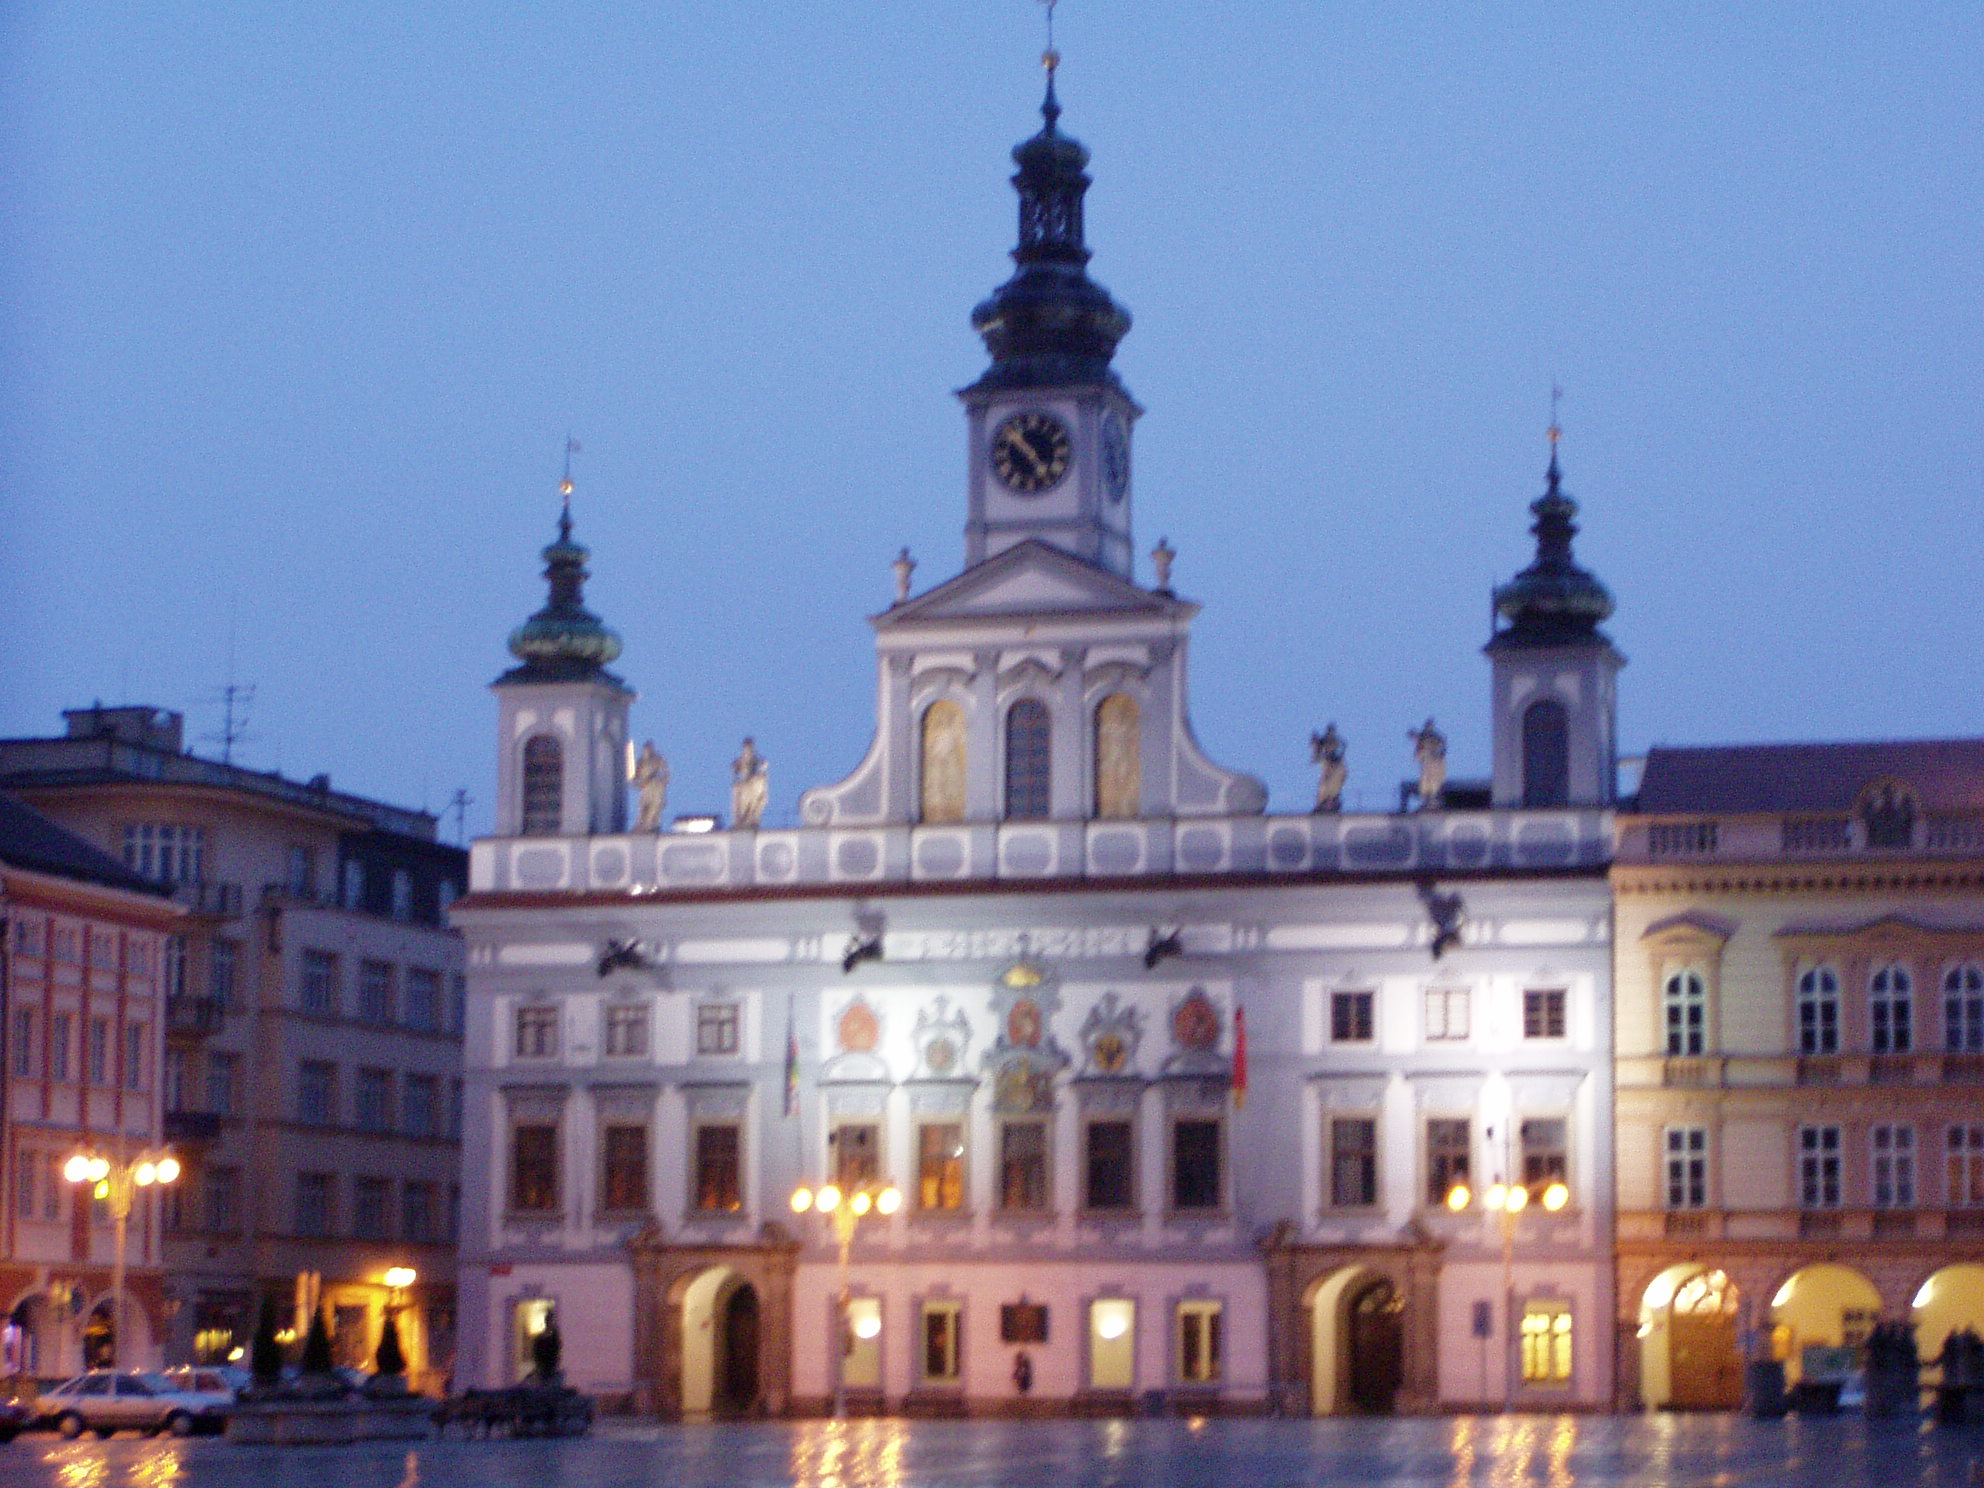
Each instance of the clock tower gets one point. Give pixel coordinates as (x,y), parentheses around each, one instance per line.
(1050,422)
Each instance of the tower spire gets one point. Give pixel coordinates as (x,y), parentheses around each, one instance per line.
(1553,601)
(564,641)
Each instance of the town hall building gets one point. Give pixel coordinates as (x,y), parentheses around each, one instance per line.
(1042,1066)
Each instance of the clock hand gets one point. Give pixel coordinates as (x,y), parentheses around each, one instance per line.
(1039,465)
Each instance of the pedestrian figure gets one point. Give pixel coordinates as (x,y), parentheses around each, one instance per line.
(1023,1373)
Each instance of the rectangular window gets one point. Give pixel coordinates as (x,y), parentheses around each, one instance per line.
(375,991)
(313,1205)
(417,1212)
(318,994)
(68,944)
(1546,1157)
(716,1028)
(1894,1167)
(24,1050)
(537,1031)
(1966,1167)
(370,1200)
(165,851)
(627,1030)
(1687,1167)
(455,1110)
(223,1200)
(27,1171)
(942,1337)
(1353,1162)
(316,1092)
(720,1169)
(175,965)
(1543,1013)
(1112,1344)
(137,1051)
(172,1092)
(1546,1343)
(373,1100)
(29,936)
(423,999)
(457,1003)
(624,1179)
(223,1083)
(303,872)
(1023,1167)
(58,1046)
(1111,1165)
(1891,1011)
(1963,1010)
(98,1053)
(1447,1014)
(1195,1163)
(1818,1167)
(223,973)
(1449,1156)
(534,1169)
(421,1106)
(940,1165)
(1352,1017)
(854,1153)
(1199,1343)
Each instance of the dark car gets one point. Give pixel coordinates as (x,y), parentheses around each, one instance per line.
(16,1415)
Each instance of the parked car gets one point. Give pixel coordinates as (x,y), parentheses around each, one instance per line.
(105,1401)
(16,1415)
(211,1379)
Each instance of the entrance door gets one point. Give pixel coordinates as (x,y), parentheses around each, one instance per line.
(1707,1375)
(737,1379)
(1377,1348)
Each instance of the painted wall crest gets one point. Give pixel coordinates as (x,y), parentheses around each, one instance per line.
(1025,1058)
(1110,1035)
(942,1035)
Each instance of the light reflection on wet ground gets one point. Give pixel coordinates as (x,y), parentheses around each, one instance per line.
(1464,1452)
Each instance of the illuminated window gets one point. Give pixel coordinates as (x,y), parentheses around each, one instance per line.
(1199,1342)
(1112,1344)
(624,1169)
(1546,1343)
(1449,1145)
(534,1169)
(861,1332)
(720,1168)
(854,1152)
(940,1165)
(1545,1152)
(1023,1166)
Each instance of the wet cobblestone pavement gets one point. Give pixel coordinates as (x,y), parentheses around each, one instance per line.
(1550,1452)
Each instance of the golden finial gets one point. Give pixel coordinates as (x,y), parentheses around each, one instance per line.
(572,447)
(1556,430)
(1050,59)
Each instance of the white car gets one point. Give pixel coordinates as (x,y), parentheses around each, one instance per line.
(106,1401)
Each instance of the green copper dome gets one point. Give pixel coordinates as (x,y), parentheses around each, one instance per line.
(1553,602)
(564,641)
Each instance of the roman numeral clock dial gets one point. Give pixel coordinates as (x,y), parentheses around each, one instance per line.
(1030,453)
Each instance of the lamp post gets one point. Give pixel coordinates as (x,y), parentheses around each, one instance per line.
(117,1184)
(846,1211)
(1507,1201)
(398,1279)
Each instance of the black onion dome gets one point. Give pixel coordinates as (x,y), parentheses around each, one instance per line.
(1553,601)
(564,641)
(1050,323)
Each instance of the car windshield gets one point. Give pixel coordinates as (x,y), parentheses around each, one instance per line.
(158,1384)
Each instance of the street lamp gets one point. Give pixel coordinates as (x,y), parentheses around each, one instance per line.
(1507,1201)
(117,1184)
(847,1210)
(398,1279)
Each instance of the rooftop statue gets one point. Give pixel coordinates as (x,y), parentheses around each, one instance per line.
(750,786)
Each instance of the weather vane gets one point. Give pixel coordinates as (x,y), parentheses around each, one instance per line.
(1050,59)
(1556,429)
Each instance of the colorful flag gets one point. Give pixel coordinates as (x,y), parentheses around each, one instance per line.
(1239,1058)
(791,1063)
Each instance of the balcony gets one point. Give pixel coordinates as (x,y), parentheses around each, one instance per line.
(191,1015)
(191,1126)
(1693,1072)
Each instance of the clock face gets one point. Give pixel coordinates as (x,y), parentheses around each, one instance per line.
(1030,452)
(1115,457)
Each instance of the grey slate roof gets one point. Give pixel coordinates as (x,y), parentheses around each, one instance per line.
(1946,774)
(30,841)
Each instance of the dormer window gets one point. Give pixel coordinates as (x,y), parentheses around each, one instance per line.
(1029,761)
(1887,815)
(543,787)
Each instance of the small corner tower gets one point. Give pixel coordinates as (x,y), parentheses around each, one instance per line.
(1049,420)
(1554,671)
(562,742)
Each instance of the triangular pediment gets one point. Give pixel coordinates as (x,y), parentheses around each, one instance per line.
(1032,578)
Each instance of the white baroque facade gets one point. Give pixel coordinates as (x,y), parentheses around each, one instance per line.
(1005,967)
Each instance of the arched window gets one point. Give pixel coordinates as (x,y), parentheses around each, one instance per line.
(1818,1011)
(1684,1011)
(1029,768)
(943,762)
(544,787)
(1546,754)
(1963,1010)
(1890,1010)
(1118,756)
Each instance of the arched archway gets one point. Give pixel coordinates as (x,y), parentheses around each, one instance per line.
(702,1317)
(1949,1300)
(736,1392)
(1357,1353)
(1820,1306)
(1690,1358)
(27,1338)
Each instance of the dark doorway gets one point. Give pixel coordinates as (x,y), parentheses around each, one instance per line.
(100,1339)
(737,1369)
(1377,1348)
